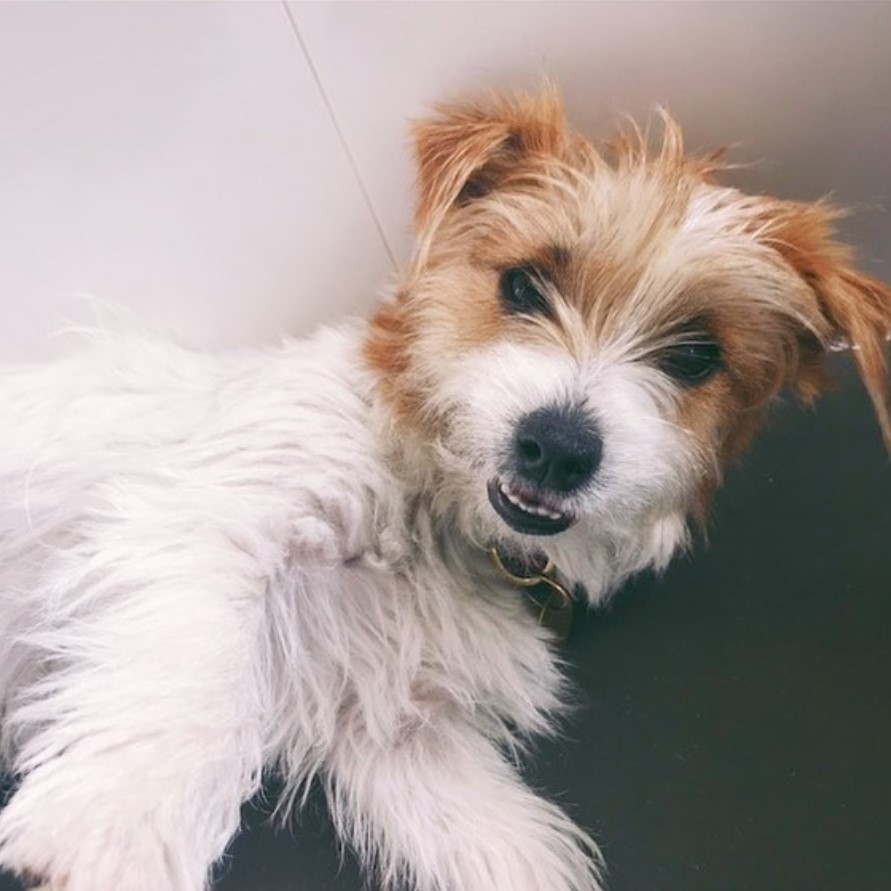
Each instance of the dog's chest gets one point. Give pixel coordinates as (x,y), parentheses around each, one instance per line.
(390,644)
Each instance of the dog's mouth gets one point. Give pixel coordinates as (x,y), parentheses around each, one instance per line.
(527,512)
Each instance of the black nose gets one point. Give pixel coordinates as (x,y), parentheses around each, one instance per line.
(557,448)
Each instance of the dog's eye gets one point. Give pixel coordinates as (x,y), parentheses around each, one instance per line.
(520,293)
(692,359)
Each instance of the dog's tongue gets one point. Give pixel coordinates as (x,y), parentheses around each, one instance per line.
(533,500)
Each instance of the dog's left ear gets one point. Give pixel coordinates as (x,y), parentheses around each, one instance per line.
(464,151)
(855,308)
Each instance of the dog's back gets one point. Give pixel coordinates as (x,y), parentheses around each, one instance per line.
(131,424)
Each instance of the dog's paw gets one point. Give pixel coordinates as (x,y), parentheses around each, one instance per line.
(314,543)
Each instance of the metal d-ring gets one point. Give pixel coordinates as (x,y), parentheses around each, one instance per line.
(543,577)
(521,580)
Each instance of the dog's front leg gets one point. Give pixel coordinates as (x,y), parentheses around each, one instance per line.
(142,738)
(442,807)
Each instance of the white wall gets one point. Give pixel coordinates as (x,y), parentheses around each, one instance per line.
(233,170)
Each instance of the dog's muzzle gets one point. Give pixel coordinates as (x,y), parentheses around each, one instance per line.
(554,453)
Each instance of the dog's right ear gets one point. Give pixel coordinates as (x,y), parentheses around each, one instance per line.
(463,151)
(855,308)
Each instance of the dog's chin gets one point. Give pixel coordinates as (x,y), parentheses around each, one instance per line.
(527,511)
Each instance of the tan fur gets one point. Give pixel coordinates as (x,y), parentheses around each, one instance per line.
(633,240)
(856,306)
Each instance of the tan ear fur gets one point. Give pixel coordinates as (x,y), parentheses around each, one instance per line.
(855,306)
(461,150)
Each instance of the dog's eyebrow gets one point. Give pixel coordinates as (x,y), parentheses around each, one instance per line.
(548,262)
(700,323)
(550,259)
(695,325)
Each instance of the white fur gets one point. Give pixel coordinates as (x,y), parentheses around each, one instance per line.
(215,566)
(635,514)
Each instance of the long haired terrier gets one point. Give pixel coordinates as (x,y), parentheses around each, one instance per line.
(331,559)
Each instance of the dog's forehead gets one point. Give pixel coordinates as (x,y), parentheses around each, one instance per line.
(641,243)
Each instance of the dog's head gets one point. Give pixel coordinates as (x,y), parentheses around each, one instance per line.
(586,336)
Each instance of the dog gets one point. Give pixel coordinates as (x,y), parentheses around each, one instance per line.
(320,558)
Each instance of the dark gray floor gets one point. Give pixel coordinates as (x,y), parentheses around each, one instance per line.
(735,725)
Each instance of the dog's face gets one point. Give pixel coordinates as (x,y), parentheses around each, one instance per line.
(585,339)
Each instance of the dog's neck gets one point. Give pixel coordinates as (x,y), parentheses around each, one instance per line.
(440,532)
(441,527)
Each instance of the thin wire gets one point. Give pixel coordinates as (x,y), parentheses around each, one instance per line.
(351,159)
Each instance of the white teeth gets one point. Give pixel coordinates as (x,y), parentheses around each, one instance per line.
(538,510)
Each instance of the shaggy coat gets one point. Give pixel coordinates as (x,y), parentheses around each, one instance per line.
(212,566)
